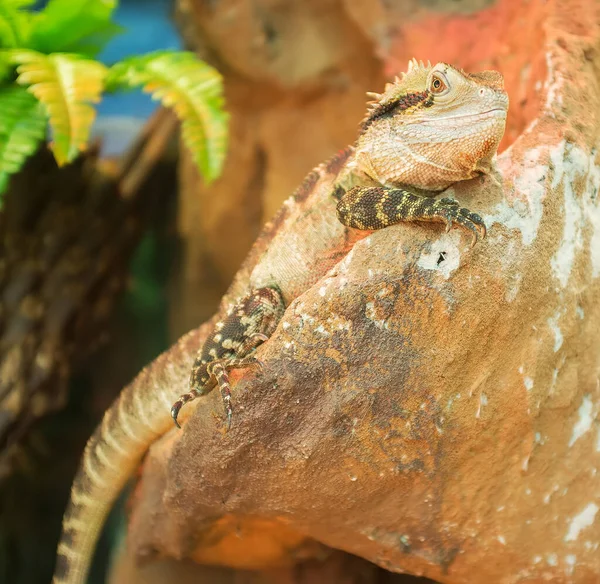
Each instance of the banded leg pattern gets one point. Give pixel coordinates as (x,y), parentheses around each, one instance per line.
(184,398)
(218,370)
(372,208)
(247,325)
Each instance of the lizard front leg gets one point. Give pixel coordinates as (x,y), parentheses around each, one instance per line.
(378,207)
(229,346)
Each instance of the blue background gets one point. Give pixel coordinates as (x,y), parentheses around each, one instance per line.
(149,27)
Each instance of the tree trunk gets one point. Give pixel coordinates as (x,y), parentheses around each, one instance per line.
(67,237)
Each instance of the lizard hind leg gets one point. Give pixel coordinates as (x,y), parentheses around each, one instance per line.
(248,323)
(371,208)
(219,370)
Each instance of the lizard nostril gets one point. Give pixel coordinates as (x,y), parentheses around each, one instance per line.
(482,92)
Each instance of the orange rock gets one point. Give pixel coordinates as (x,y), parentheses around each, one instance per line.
(431,408)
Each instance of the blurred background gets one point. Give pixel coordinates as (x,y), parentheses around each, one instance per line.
(40,453)
(152,260)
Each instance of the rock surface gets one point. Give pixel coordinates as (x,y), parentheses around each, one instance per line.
(431,408)
(336,567)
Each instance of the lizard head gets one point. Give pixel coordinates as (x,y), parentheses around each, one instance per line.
(440,125)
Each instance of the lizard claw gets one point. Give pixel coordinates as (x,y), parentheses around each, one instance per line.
(175,412)
(183,399)
(447,202)
(256,361)
(452,213)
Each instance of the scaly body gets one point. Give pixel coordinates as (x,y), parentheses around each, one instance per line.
(429,129)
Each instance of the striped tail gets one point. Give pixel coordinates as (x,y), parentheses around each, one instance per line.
(138,417)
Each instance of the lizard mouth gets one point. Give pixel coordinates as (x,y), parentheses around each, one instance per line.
(496,112)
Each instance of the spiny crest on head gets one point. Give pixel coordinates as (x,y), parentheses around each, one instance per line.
(414,81)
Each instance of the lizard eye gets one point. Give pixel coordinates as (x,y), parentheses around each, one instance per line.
(438,85)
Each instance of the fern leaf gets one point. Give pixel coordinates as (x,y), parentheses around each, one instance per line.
(66,85)
(19,3)
(22,128)
(195,92)
(6,67)
(15,23)
(74,26)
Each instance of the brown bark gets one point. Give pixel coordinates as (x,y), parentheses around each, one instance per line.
(67,236)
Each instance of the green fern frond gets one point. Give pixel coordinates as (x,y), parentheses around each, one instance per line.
(22,127)
(6,67)
(66,85)
(195,92)
(15,23)
(19,3)
(74,26)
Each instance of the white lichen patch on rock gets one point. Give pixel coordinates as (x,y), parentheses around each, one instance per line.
(442,257)
(524,211)
(584,421)
(336,322)
(558,336)
(591,211)
(573,167)
(483,401)
(567,168)
(374,310)
(582,520)
(553,85)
